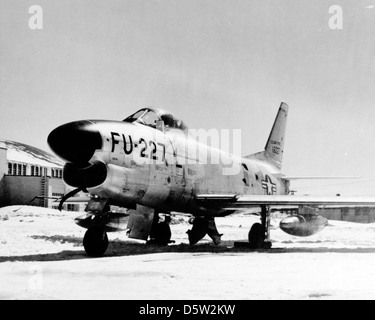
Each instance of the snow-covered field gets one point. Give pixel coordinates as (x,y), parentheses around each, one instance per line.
(41,257)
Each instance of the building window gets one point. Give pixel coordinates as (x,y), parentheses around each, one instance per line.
(60,195)
(56,173)
(24,170)
(71,207)
(9,168)
(14,169)
(20,169)
(32,170)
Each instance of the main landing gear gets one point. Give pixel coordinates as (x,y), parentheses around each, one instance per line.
(160,231)
(98,223)
(259,235)
(201,227)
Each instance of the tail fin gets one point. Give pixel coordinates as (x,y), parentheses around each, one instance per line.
(274,149)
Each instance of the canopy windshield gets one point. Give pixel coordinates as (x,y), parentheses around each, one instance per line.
(153,117)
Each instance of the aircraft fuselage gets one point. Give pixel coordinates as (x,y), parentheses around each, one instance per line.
(165,170)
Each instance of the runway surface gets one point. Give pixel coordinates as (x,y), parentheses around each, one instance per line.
(42,257)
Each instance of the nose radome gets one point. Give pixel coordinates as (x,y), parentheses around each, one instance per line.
(75,142)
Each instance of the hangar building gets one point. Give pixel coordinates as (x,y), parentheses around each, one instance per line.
(30,176)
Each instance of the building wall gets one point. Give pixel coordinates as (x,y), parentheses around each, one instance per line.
(3,171)
(3,162)
(21,190)
(56,187)
(56,190)
(21,182)
(352,214)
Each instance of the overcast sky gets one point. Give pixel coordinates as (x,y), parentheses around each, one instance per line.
(215,63)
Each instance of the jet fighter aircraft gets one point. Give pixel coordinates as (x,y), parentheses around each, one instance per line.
(149,164)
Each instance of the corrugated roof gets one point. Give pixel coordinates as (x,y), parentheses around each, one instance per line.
(23,153)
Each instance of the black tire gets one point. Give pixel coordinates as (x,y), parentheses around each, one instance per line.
(163,233)
(95,241)
(256,236)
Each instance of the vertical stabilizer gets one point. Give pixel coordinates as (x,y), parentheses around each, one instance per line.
(274,149)
(275,144)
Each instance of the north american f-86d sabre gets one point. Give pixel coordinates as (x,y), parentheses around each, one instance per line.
(149,164)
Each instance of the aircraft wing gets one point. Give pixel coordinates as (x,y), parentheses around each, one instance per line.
(235,202)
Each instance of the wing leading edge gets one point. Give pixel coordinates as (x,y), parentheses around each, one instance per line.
(235,202)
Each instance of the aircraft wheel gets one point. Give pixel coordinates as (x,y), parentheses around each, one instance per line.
(95,241)
(163,233)
(256,236)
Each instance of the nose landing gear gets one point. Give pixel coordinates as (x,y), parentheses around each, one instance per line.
(95,241)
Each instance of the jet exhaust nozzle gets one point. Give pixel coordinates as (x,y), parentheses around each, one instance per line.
(303,226)
(75,142)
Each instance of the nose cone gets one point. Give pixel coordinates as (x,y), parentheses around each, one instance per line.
(75,142)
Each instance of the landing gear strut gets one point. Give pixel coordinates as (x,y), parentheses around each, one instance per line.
(160,231)
(201,227)
(259,235)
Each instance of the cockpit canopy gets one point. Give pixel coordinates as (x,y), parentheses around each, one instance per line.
(156,118)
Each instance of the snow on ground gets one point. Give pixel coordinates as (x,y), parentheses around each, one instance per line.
(42,257)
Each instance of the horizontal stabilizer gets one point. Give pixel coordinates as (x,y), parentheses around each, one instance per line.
(317,178)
